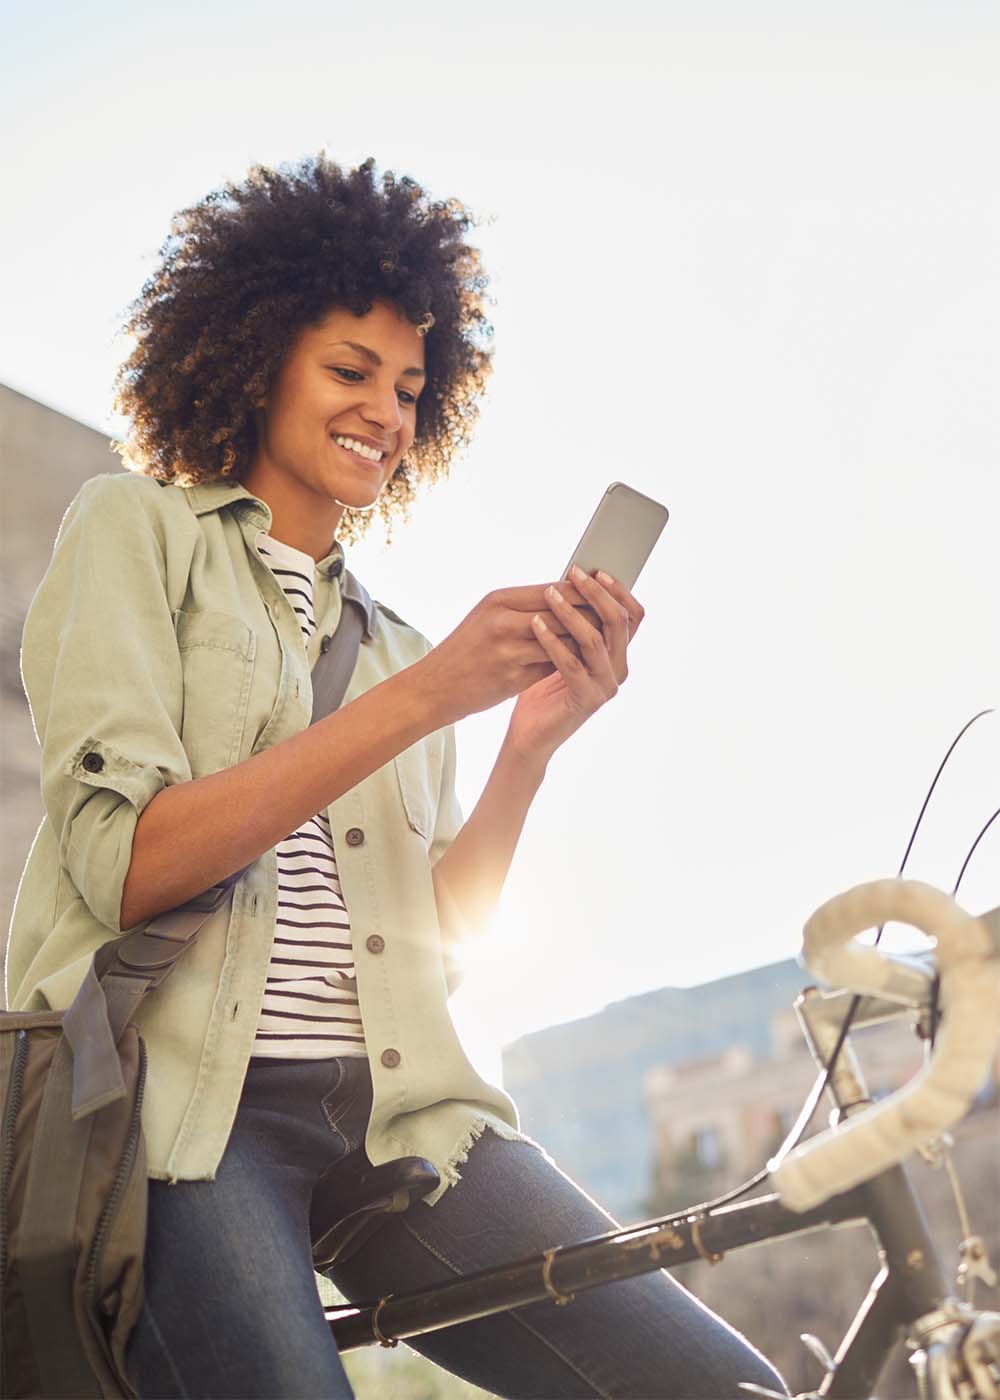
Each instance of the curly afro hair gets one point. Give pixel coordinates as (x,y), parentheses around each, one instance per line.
(249,267)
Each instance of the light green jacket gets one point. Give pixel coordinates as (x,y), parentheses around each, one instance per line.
(160,641)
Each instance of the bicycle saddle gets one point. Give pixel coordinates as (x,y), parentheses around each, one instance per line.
(352,1199)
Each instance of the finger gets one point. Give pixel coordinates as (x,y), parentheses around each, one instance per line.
(577,679)
(568,587)
(613,614)
(636,612)
(530,652)
(596,594)
(591,641)
(521,624)
(530,598)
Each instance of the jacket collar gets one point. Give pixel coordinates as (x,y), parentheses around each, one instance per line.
(210,496)
(213,495)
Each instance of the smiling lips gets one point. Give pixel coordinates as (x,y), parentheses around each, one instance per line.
(364,451)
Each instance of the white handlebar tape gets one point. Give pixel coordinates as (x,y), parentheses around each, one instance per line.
(937,1096)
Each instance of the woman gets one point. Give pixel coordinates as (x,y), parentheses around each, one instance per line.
(312,346)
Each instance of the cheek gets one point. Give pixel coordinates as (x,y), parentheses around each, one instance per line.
(408,433)
(292,421)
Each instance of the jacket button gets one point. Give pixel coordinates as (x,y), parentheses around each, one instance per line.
(324,645)
(375,943)
(391,1058)
(355,836)
(93,762)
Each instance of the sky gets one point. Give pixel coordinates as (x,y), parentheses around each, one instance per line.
(742,258)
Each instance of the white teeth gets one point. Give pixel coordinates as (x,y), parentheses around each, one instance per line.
(362,449)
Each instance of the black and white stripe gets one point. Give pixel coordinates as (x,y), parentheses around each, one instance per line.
(304,1015)
(296,582)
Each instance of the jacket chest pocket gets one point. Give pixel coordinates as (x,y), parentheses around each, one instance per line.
(217,658)
(418,773)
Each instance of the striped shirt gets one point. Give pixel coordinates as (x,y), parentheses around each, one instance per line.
(304,1016)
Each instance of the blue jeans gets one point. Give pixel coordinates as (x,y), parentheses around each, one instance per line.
(232,1308)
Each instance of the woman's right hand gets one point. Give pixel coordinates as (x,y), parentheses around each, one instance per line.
(493,653)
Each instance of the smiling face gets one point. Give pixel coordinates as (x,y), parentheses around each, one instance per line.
(336,423)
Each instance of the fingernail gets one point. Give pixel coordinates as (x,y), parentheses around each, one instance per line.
(553,592)
(577,573)
(605,578)
(539,622)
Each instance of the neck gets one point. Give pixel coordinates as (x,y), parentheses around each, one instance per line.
(300,518)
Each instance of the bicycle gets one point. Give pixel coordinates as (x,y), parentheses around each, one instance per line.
(850,1174)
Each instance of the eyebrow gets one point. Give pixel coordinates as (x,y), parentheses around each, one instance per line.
(414,372)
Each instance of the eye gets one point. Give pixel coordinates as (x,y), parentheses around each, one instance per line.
(353,376)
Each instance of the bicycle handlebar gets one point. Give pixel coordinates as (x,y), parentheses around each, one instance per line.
(940,1093)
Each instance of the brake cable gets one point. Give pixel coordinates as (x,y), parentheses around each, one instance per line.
(823,1079)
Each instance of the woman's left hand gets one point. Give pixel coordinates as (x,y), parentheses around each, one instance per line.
(587,674)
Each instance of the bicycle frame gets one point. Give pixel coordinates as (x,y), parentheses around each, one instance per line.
(909,1288)
(899,1294)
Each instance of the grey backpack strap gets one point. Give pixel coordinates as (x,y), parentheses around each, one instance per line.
(339,654)
(121,973)
(125,969)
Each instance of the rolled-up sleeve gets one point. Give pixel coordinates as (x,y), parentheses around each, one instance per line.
(102,673)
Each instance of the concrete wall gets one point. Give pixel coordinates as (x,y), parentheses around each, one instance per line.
(44,459)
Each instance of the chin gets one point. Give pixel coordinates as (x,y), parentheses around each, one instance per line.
(359,507)
(357,500)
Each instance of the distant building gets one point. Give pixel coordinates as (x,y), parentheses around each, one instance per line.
(666,1099)
(45,457)
(715,1121)
(581,1087)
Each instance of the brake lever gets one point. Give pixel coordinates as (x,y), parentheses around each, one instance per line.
(980,1355)
(958,1353)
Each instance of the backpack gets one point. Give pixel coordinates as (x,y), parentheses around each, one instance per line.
(73,1181)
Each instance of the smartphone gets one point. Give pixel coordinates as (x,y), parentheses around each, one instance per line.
(621,534)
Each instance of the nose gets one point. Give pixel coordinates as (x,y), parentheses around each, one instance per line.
(381,406)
